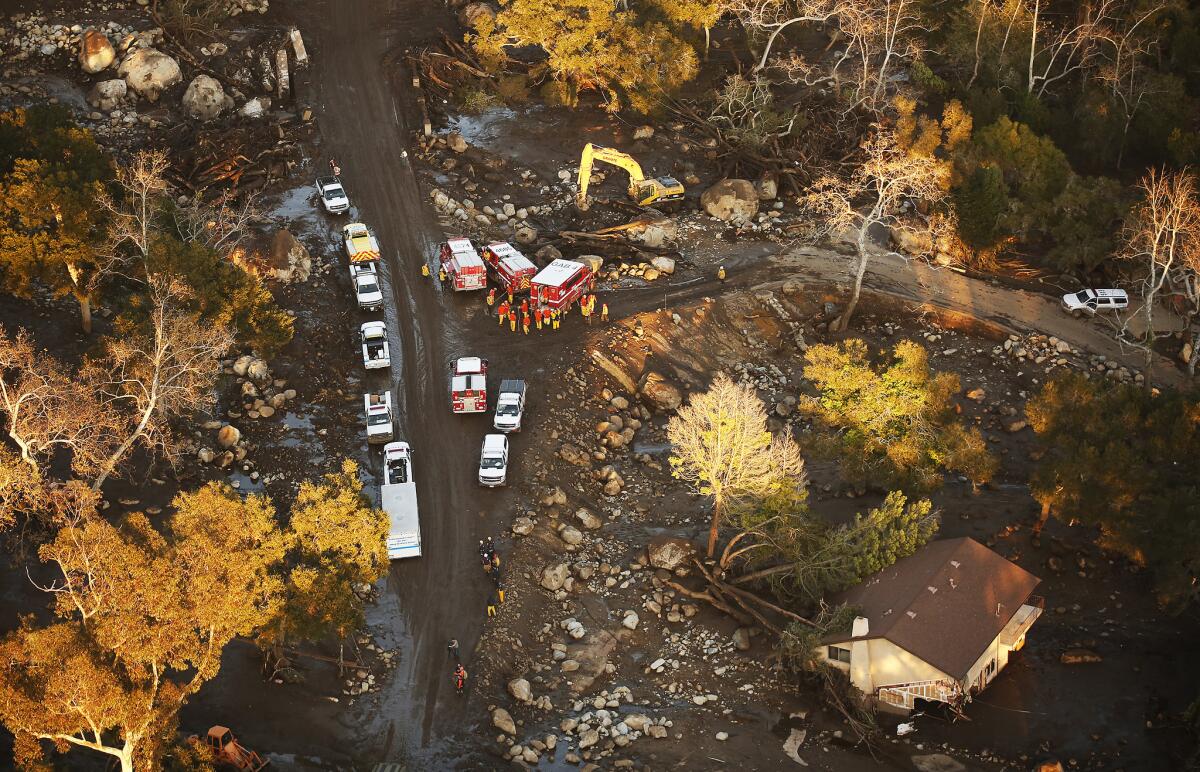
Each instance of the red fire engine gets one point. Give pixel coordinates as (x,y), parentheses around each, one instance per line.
(560,284)
(512,269)
(462,265)
(468,385)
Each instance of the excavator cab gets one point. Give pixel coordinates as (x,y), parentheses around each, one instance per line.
(228,751)
(645,191)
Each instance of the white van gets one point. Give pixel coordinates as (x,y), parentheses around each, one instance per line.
(493,460)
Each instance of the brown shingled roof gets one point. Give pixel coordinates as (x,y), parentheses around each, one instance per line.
(945,603)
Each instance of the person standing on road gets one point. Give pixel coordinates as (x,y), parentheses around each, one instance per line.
(502,312)
(491,607)
(603,313)
(425,270)
(525,323)
(537,318)
(460,678)
(491,297)
(554,316)
(499,586)
(442,274)
(337,170)
(721,273)
(512,321)
(452,648)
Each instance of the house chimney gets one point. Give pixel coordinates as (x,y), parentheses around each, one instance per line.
(861,673)
(862,626)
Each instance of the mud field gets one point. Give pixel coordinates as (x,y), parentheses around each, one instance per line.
(714,697)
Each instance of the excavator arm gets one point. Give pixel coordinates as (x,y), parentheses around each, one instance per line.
(593,153)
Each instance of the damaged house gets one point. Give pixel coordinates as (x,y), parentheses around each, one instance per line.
(938,625)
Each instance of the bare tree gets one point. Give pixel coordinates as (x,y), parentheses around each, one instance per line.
(745,112)
(136,217)
(1063,50)
(1126,69)
(48,408)
(220,224)
(879,35)
(722,445)
(873,196)
(157,375)
(772,17)
(1162,238)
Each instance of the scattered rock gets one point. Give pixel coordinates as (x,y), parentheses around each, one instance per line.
(149,72)
(767,186)
(588,739)
(503,721)
(637,722)
(669,552)
(741,639)
(1079,656)
(95,51)
(663,264)
(734,201)
(523,526)
(588,519)
(520,690)
(643,132)
(108,94)
(937,762)
(573,455)
(570,534)
(526,234)
(256,107)
(630,622)
(553,577)
(977,394)
(228,436)
(722,736)
(1015,426)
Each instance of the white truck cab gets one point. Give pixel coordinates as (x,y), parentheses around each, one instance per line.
(366,289)
(375,345)
(493,460)
(378,409)
(510,406)
(333,195)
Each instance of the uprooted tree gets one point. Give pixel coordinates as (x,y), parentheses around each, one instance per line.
(723,447)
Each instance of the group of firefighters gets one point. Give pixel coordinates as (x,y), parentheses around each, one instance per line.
(527,316)
(489,558)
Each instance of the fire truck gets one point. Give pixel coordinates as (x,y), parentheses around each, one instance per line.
(511,269)
(560,284)
(463,266)
(468,385)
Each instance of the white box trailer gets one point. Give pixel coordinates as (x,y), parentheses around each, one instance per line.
(398,498)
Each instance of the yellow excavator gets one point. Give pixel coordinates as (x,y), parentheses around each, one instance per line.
(646,192)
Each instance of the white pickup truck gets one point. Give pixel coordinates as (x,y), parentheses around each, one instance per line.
(398,498)
(510,406)
(378,408)
(493,460)
(367,292)
(333,195)
(375,345)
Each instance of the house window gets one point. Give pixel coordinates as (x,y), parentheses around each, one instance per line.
(838,654)
(990,669)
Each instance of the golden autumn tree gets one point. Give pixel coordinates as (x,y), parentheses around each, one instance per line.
(590,44)
(723,447)
(336,541)
(142,617)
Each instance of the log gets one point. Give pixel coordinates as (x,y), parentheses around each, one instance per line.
(283,78)
(298,50)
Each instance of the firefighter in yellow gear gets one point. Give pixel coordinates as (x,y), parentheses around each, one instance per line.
(604,312)
(425,270)
(491,297)
(721,273)
(442,274)
(525,324)
(512,321)
(537,317)
(554,318)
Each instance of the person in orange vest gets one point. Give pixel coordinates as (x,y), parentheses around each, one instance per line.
(512,321)
(503,312)
(525,306)
(537,317)
(491,297)
(525,323)
(604,312)
(510,295)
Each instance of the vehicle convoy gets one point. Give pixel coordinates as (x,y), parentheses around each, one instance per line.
(333,195)
(645,191)
(510,406)
(378,409)
(493,460)
(1089,301)
(512,270)
(367,292)
(468,385)
(375,345)
(361,245)
(463,266)
(398,499)
(560,284)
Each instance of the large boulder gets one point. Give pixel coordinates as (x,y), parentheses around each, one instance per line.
(520,690)
(205,98)
(669,552)
(734,201)
(553,577)
(653,232)
(663,264)
(290,260)
(503,721)
(149,72)
(95,51)
(660,393)
(108,94)
(228,436)
(911,241)
(767,186)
